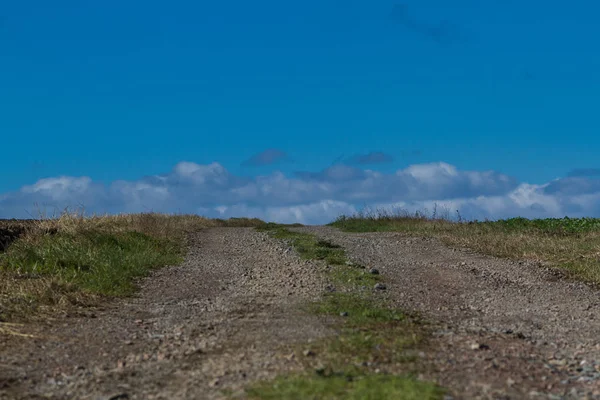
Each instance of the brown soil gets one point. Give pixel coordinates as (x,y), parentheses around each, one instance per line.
(232,313)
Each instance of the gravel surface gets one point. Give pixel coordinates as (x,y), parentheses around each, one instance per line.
(502,329)
(231,314)
(224,318)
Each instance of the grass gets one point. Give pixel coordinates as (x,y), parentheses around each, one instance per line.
(368,357)
(73,260)
(572,244)
(372,387)
(309,247)
(98,262)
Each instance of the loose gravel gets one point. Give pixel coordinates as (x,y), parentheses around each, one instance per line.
(502,329)
(232,313)
(221,320)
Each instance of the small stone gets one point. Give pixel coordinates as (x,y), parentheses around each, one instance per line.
(380,286)
(561,363)
(214,383)
(479,346)
(343,314)
(308,353)
(374,271)
(120,396)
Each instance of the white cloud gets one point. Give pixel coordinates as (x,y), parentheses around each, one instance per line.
(311,197)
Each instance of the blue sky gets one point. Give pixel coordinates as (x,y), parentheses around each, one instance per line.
(117,90)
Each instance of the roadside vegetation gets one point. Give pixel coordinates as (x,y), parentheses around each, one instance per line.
(371,356)
(572,244)
(50,264)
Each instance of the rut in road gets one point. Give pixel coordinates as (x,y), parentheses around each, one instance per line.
(505,329)
(220,320)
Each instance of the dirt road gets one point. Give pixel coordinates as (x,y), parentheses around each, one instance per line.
(505,329)
(220,320)
(231,314)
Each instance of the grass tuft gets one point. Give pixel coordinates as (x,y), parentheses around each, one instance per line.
(360,309)
(98,262)
(344,387)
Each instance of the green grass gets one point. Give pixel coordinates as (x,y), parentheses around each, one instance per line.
(549,226)
(572,244)
(371,387)
(308,246)
(53,264)
(98,262)
(420,223)
(370,335)
(360,308)
(368,358)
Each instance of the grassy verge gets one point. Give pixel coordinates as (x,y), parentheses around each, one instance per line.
(572,244)
(368,359)
(72,260)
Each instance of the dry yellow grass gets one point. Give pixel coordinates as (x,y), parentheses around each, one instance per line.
(570,244)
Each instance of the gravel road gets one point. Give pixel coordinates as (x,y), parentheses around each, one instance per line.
(220,320)
(232,312)
(503,329)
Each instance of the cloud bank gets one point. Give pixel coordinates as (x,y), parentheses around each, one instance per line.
(311,197)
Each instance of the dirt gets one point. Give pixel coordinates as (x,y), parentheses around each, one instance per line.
(233,314)
(227,316)
(502,329)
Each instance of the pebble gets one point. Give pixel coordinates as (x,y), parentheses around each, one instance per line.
(479,346)
(380,286)
(374,271)
(120,396)
(343,314)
